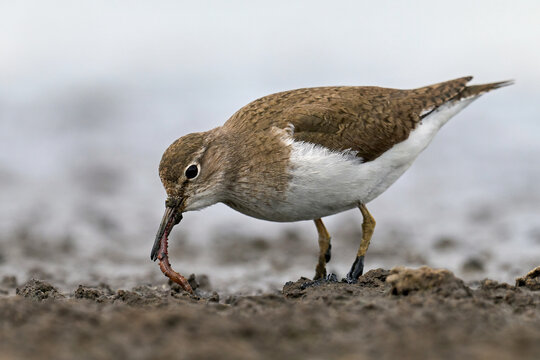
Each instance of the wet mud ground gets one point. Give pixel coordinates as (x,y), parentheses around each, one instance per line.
(389,314)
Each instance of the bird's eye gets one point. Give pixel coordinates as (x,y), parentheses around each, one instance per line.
(192,171)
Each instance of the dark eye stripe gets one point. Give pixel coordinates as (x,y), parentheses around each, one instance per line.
(192,171)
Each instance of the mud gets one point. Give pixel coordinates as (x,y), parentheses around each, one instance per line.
(400,313)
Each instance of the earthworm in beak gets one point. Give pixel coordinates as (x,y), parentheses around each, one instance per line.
(171,217)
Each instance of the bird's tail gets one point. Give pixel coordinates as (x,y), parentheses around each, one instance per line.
(477,90)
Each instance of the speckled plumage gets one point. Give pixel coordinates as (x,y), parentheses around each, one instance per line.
(309,153)
(367,120)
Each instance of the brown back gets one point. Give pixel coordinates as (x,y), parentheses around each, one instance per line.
(368,120)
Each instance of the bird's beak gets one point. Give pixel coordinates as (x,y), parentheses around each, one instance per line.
(172,216)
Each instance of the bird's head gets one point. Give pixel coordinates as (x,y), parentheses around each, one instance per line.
(192,171)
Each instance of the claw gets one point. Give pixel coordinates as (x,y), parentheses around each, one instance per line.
(357,269)
(331,277)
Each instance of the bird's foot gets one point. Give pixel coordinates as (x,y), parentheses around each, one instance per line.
(330,278)
(357,269)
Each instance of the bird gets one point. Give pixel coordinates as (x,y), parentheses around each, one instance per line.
(306,154)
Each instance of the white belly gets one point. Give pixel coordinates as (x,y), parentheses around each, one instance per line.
(325,182)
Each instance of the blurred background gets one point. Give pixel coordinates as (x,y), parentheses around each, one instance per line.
(92,93)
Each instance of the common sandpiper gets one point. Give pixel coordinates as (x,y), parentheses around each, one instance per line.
(305,154)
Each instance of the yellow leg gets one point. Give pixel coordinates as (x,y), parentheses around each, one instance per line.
(324,249)
(368,226)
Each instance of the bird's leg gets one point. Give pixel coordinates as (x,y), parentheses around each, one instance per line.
(368,226)
(324,250)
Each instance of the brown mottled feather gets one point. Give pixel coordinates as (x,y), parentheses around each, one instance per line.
(368,120)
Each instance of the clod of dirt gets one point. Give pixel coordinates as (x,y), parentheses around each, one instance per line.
(374,278)
(84,292)
(372,282)
(9,281)
(291,289)
(488,284)
(440,281)
(531,280)
(38,290)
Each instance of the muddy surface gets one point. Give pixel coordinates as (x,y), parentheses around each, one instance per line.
(400,313)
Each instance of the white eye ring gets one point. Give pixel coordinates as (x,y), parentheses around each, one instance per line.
(192,171)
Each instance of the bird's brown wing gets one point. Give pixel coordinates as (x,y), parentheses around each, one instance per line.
(367,120)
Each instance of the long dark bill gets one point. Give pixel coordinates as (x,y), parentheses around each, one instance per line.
(171,217)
